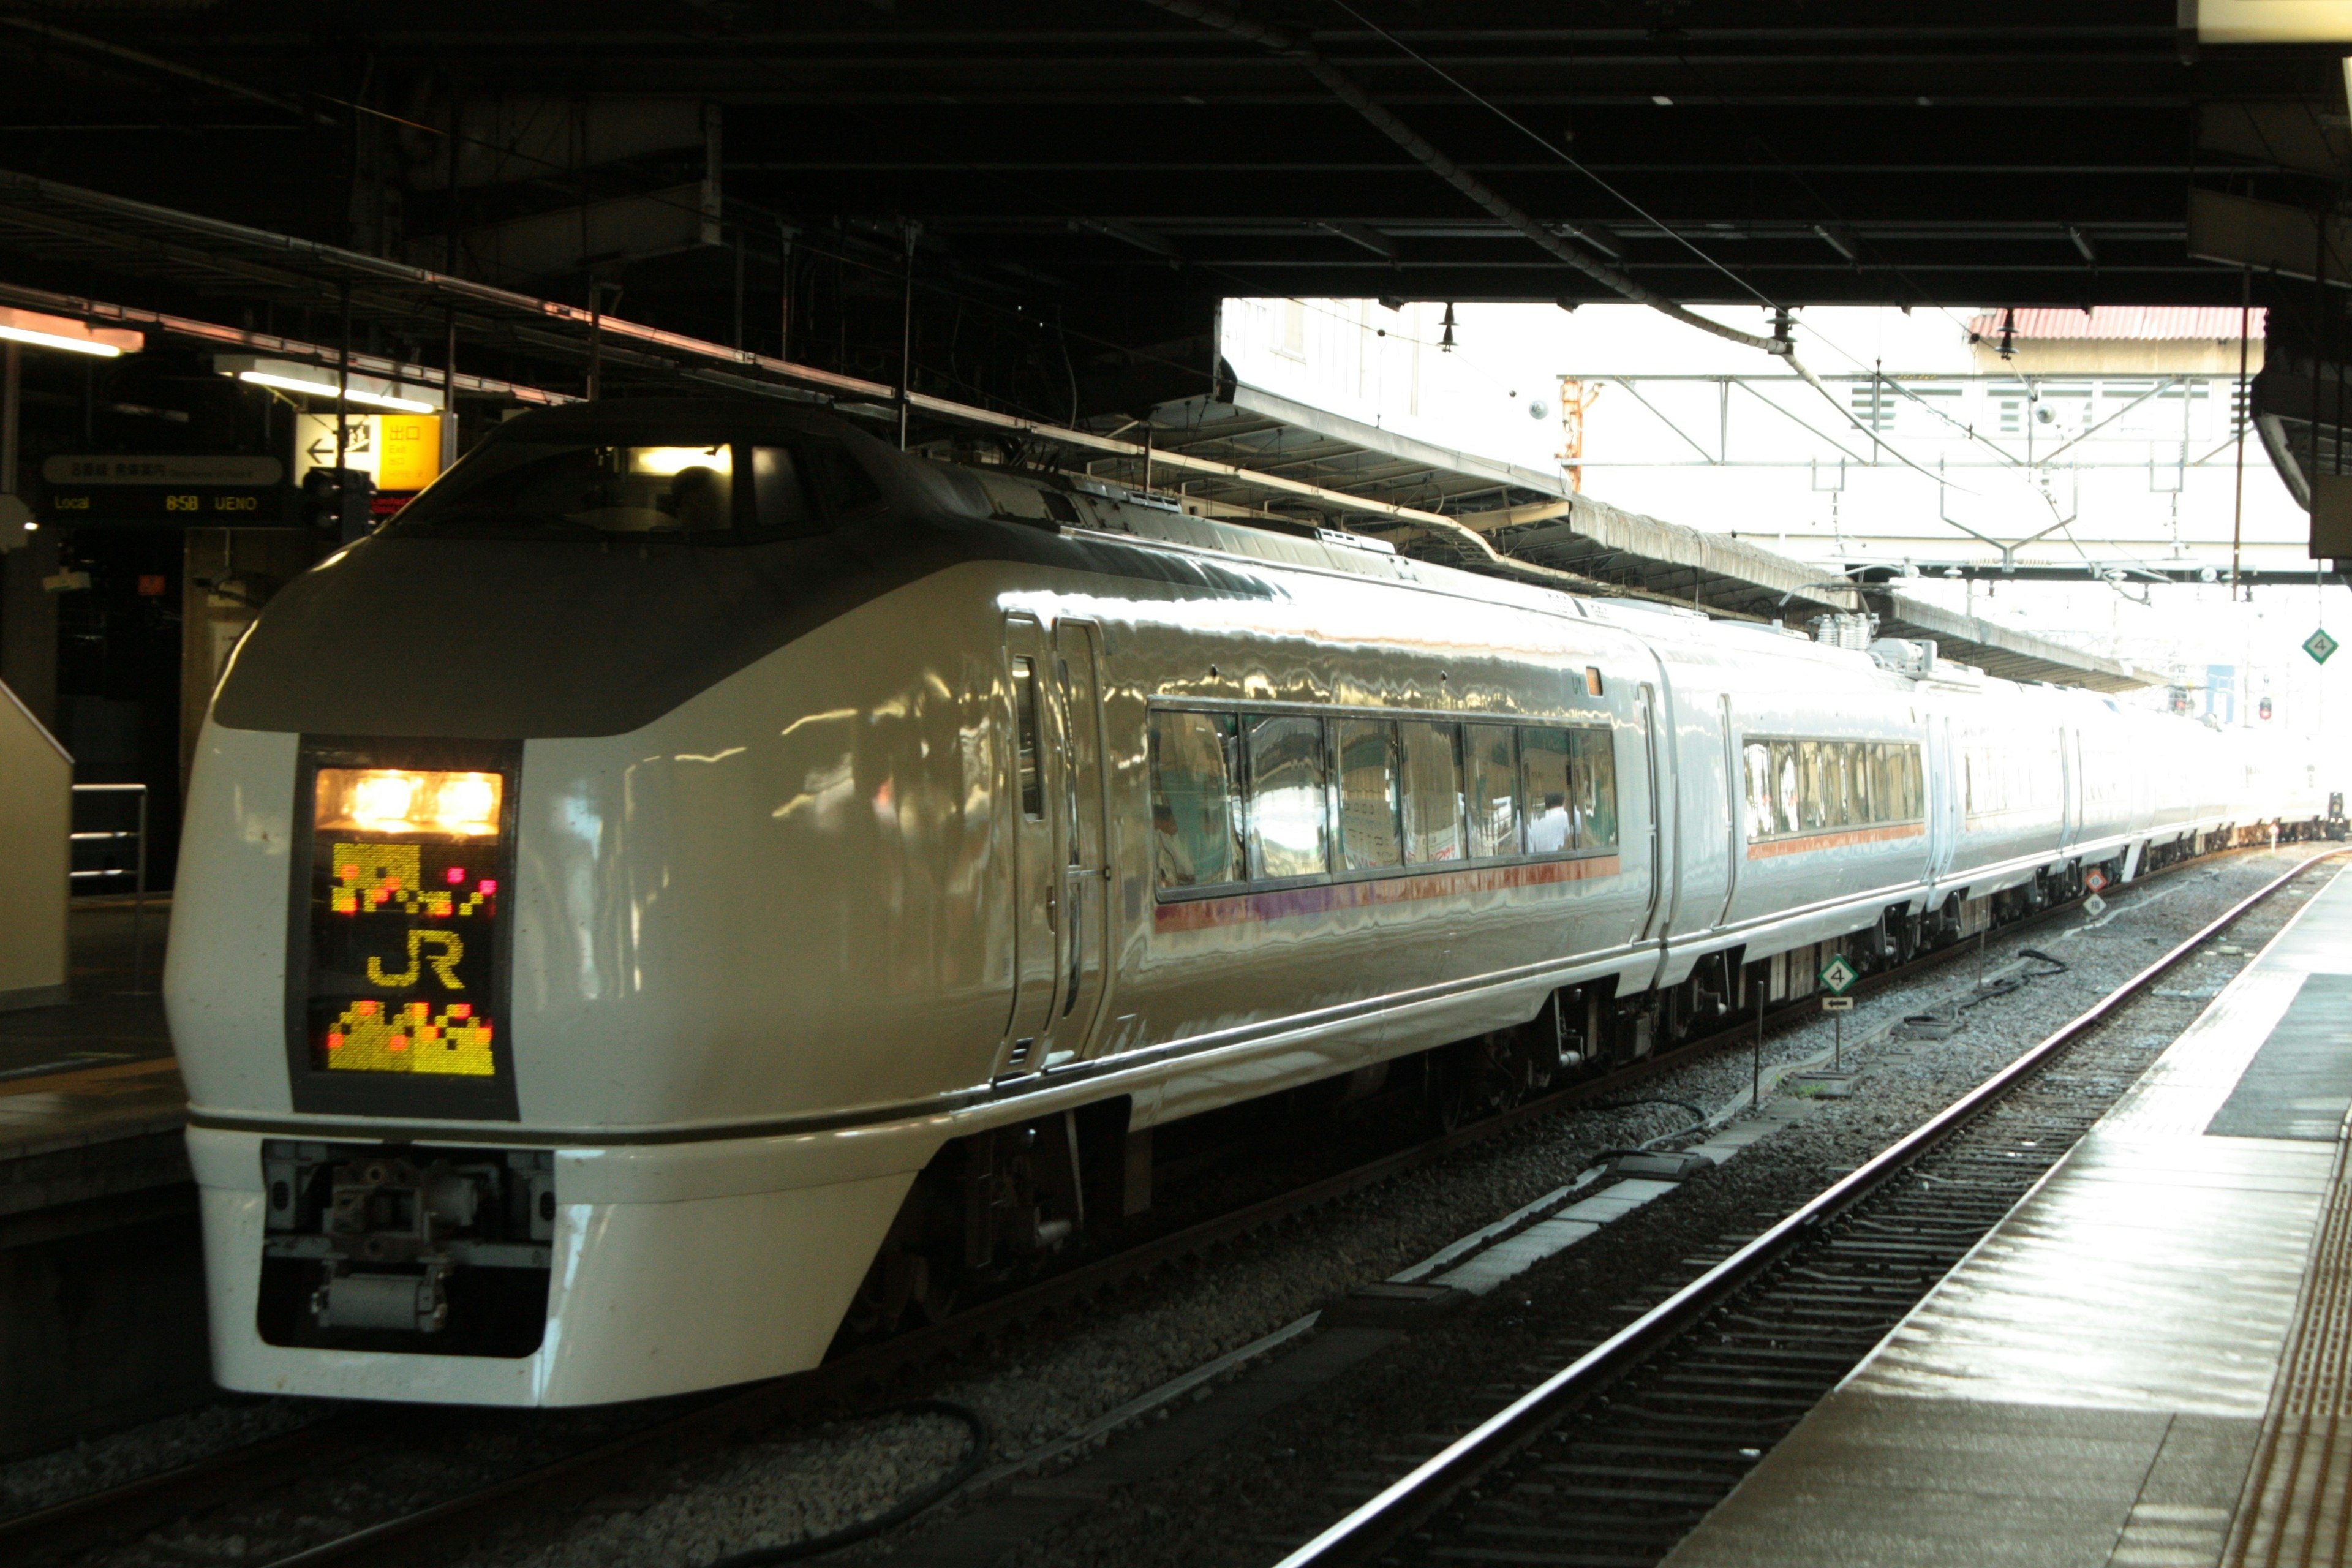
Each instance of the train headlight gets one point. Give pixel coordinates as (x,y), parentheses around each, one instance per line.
(466,804)
(382,800)
(394,800)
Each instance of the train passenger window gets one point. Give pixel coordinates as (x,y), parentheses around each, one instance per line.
(838,480)
(542,490)
(1788,815)
(1025,723)
(1192,801)
(1432,776)
(1813,793)
(1544,813)
(1756,769)
(1593,783)
(1491,789)
(780,500)
(1370,838)
(1916,788)
(1289,834)
(1869,766)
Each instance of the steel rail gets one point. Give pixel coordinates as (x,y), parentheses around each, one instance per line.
(1407,1502)
(71,1524)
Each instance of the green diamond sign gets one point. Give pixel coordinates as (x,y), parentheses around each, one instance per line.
(2319,644)
(1838,976)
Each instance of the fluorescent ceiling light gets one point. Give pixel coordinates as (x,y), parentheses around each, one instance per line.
(2268,21)
(327,389)
(65,332)
(319,380)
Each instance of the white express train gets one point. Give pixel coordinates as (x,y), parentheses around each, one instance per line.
(698,876)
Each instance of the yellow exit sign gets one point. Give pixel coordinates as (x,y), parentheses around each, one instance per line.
(399,451)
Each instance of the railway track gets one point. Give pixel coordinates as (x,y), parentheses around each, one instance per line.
(1611,1459)
(353,1438)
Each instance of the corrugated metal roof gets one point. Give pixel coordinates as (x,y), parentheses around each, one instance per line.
(2120,323)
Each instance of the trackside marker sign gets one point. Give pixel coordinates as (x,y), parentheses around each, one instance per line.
(1838,976)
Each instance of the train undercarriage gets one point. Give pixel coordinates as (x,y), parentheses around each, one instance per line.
(1000,1207)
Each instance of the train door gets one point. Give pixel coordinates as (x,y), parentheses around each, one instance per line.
(2069,811)
(1735,788)
(1086,935)
(1943,787)
(1955,795)
(1646,714)
(1040,821)
(2070,742)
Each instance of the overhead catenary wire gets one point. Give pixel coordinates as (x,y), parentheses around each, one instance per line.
(1795,365)
(1636,208)
(1344,89)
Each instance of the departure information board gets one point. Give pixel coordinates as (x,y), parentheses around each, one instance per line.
(186,491)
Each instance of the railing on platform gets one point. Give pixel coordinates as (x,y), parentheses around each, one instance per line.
(82,877)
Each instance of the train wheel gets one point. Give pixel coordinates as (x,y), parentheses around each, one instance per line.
(1472,1079)
(900,1285)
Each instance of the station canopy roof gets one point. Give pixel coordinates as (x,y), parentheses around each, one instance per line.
(1072,186)
(1535,519)
(1843,151)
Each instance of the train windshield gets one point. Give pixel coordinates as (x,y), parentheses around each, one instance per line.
(728,491)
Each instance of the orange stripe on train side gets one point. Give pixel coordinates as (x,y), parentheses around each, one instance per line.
(1805,843)
(1244,908)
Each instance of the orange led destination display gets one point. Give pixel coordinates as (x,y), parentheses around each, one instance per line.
(403,921)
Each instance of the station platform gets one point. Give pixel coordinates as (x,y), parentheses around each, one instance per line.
(114,1011)
(76,1138)
(101,1293)
(90,1100)
(2149,1363)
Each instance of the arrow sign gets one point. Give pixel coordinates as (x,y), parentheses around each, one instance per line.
(1837,976)
(314,442)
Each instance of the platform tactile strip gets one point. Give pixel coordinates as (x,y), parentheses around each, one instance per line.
(2297,1506)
